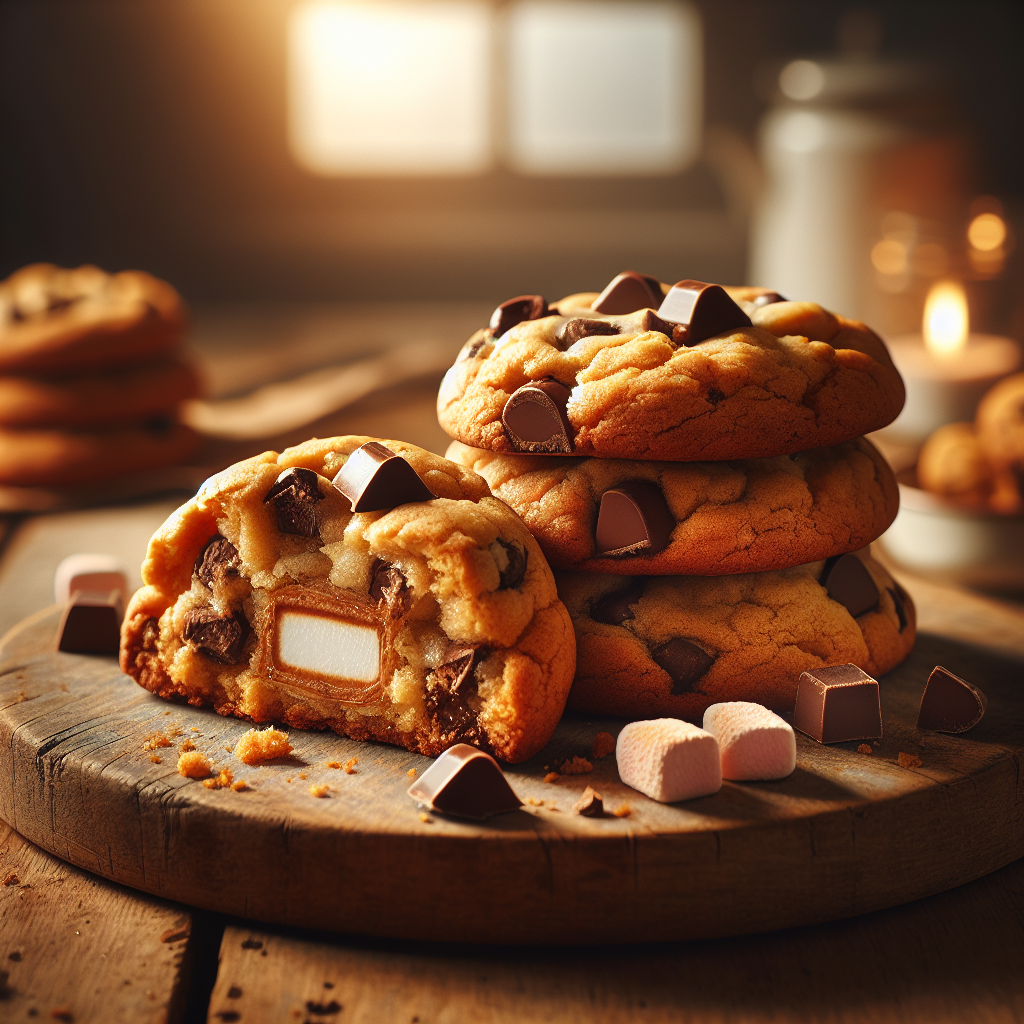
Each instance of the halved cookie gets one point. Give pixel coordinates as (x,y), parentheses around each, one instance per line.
(700,518)
(421,621)
(674,645)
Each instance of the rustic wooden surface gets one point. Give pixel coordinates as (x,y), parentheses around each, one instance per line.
(847,833)
(74,947)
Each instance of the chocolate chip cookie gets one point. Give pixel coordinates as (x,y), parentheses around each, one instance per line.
(55,321)
(674,645)
(360,585)
(705,373)
(694,518)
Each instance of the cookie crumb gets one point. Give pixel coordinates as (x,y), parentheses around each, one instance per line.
(227,747)
(61,1013)
(9,879)
(303,775)
(534,802)
(604,744)
(156,759)
(240,786)
(590,804)
(154,740)
(425,818)
(623,811)
(333,764)
(319,790)
(863,749)
(576,766)
(908,760)
(222,781)
(195,728)
(350,765)
(411,773)
(255,746)
(167,712)
(552,777)
(194,765)
(186,746)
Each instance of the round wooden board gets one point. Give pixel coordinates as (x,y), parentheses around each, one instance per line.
(846,833)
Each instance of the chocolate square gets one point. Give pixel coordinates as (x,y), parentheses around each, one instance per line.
(837,704)
(949,703)
(91,623)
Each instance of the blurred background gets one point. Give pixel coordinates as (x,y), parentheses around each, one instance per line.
(324,182)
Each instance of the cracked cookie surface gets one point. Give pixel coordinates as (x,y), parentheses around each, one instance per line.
(474,644)
(799,377)
(748,515)
(673,645)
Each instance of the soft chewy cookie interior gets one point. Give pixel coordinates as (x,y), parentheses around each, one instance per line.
(426,624)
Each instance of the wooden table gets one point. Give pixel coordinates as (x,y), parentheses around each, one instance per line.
(74,947)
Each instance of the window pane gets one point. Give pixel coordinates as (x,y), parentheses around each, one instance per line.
(604,88)
(390,88)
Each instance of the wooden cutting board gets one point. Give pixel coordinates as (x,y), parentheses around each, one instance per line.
(847,833)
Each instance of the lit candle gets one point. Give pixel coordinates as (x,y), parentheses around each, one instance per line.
(947,369)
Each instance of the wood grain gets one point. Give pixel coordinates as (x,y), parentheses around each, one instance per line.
(77,948)
(949,958)
(847,833)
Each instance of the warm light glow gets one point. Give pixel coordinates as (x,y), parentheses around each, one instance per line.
(802,80)
(390,88)
(945,319)
(987,232)
(889,256)
(604,86)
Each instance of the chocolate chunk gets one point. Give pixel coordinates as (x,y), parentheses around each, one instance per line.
(217,561)
(535,419)
(515,311)
(900,605)
(685,662)
(294,497)
(769,298)
(573,330)
(837,704)
(467,783)
(614,608)
(848,581)
(590,804)
(633,519)
(628,292)
(515,568)
(389,586)
(219,637)
(949,703)
(703,309)
(450,692)
(374,478)
(455,669)
(474,347)
(91,623)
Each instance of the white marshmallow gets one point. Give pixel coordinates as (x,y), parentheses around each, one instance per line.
(325,645)
(753,741)
(668,760)
(90,573)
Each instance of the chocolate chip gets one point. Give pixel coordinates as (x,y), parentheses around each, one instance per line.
(219,637)
(685,662)
(512,575)
(450,690)
(217,561)
(848,581)
(294,497)
(389,586)
(590,804)
(515,311)
(703,309)
(715,396)
(614,608)
(633,519)
(949,703)
(456,667)
(375,478)
(465,782)
(769,298)
(474,348)
(836,704)
(628,292)
(901,608)
(535,419)
(573,330)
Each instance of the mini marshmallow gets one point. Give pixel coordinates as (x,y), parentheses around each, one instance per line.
(95,574)
(754,743)
(668,760)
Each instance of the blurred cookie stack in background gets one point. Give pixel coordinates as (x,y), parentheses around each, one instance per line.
(690,461)
(91,381)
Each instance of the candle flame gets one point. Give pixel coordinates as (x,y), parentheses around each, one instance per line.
(945,319)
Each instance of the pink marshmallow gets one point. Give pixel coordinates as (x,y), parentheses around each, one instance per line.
(668,760)
(754,742)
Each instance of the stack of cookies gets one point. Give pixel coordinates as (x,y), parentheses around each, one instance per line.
(90,376)
(691,463)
